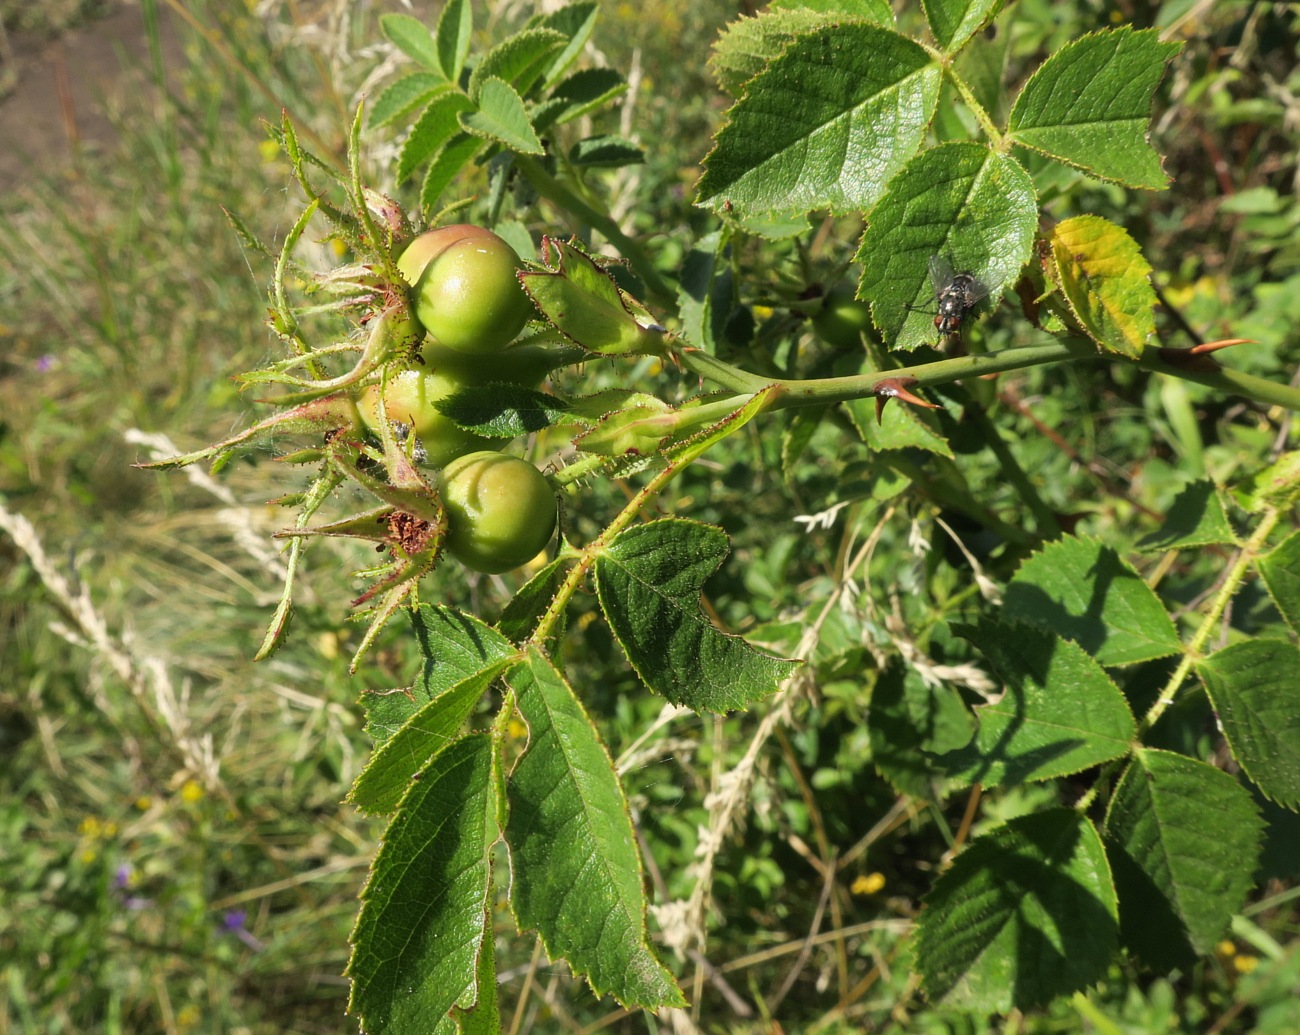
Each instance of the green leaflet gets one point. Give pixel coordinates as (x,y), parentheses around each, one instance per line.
(461,658)
(1059,713)
(1183,839)
(404,96)
(437,125)
(577,870)
(825,125)
(1089,105)
(1103,275)
(582,302)
(649,579)
(455,27)
(1196,518)
(501,118)
(909,723)
(1025,914)
(953,22)
(410,36)
(519,60)
(1280,570)
(424,910)
(1252,686)
(962,202)
(1085,591)
(503,411)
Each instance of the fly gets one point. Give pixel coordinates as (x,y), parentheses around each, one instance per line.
(955,294)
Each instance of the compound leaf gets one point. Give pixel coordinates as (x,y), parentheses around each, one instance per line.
(577,870)
(825,125)
(649,579)
(1025,914)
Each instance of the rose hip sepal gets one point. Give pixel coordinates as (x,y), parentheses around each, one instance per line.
(584,304)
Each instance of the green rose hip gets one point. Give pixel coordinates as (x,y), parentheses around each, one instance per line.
(501,511)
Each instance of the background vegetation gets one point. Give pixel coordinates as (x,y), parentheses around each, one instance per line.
(176,857)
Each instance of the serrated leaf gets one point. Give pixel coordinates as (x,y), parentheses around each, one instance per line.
(1089,105)
(449,161)
(900,427)
(953,22)
(1103,275)
(908,724)
(1059,712)
(503,411)
(582,302)
(649,579)
(1026,914)
(483,1017)
(455,27)
(424,908)
(502,119)
(1183,839)
(825,125)
(606,152)
(462,658)
(576,23)
(962,202)
(520,60)
(437,124)
(405,96)
(410,36)
(577,870)
(876,11)
(580,93)
(1280,569)
(747,46)
(1085,591)
(1252,686)
(1196,518)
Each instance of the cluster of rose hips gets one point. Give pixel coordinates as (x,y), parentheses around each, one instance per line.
(501,511)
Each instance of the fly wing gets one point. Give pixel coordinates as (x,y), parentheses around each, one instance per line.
(940,274)
(976,291)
